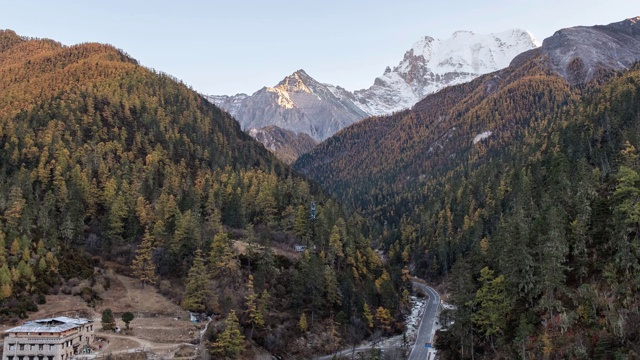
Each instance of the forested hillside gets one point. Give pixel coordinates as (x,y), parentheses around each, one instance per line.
(100,156)
(549,265)
(518,192)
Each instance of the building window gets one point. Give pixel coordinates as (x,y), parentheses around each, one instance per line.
(31,357)
(20,357)
(50,357)
(41,347)
(12,346)
(21,346)
(32,346)
(9,357)
(51,346)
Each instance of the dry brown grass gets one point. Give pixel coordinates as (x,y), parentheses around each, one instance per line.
(157,320)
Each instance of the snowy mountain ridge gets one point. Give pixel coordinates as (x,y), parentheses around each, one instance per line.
(432,64)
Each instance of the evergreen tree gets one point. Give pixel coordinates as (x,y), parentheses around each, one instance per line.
(331,286)
(143,266)
(491,305)
(197,295)
(6,284)
(300,225)
(384,319)
(222,259)
(127,317)
(108,321)
(303,324)
(230,342)
(335,244)
(256,316)
(368,316)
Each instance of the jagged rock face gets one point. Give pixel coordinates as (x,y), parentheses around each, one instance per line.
(578,53)
(432,64)
(287,145)
(298,103)
(230,104)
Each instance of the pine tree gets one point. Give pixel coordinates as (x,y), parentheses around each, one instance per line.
(108,320)
(331,286)
(256,316)
(263,303)
(231,341)
(368,316)
(490,304)
(251,246)
(384,319)
(335,243)
(143,266)
(3,250)
(303,324)
(197,295)
(6,284)
(222,259)
(127,317)
(300,225)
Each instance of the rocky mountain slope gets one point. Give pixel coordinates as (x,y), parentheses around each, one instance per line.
(579,53)
(298,103)
(285,144)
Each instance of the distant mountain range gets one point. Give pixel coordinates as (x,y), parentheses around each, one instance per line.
(301,104)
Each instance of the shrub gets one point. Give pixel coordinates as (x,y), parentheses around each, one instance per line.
(108,321)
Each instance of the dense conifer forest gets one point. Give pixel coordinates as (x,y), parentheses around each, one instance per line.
(532,228)
(103,160)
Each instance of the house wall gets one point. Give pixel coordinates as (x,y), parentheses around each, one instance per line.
(47,346)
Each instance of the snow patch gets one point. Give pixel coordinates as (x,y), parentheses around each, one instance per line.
(481,136)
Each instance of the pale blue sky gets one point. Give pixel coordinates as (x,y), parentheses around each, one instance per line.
(231,46)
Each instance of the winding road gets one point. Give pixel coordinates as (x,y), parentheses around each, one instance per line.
(427,326)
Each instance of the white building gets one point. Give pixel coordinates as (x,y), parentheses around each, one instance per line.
(57,338)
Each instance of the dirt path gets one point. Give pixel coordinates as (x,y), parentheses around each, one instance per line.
(117,344)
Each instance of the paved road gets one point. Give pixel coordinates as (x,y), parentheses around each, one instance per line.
(427,326)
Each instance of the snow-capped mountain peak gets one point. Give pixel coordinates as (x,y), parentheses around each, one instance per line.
(432,64)
(295,82)
(299,104)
